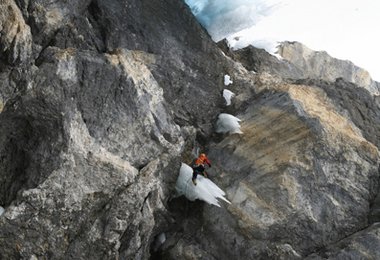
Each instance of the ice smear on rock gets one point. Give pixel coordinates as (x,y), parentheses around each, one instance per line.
(228,94)
(205,189)
(1,210)
(228,124)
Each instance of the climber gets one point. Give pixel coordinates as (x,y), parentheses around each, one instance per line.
(199,167)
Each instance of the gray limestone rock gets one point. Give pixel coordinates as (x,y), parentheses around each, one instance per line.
(362,245)
(300,62)
(320,65)
(300,169)
(68,147)
(90,131)
(258,60)
(16,37)
(100,102)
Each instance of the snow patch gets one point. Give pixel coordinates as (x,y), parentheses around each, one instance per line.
(227,80)
(270,45)
(205,189)
(228,124)
(228,94)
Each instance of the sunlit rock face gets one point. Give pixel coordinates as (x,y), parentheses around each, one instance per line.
(16,38)
(299,62)
(292,172)
(101,101)
(320,65)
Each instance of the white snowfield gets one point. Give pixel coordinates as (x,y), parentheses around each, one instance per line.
(205,189)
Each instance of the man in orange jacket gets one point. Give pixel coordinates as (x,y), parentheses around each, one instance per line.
(199,167)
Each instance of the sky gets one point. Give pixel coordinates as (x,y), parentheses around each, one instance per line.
(345,29)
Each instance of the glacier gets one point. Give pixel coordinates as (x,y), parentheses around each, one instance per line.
(222,18)
(205,189)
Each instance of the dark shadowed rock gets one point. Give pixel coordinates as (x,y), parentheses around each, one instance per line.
(362,245)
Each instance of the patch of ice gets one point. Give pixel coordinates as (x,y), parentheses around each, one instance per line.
(228,124)
(227,80)
(205,189)
(228,94)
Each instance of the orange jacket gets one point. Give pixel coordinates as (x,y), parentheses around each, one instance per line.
(202,159)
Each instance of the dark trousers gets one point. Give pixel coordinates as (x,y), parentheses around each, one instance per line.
(195,174)
(198,170)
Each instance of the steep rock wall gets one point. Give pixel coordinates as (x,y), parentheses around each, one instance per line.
(92,99)
(102,100)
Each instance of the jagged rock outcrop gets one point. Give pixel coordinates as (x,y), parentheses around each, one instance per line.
(320,65)
(100,101)
(78,170)
(258,60)
(305,166)
(16,38)
(88,139)
(300,62)
(291,174)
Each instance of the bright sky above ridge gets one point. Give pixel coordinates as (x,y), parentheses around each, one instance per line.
(346,29)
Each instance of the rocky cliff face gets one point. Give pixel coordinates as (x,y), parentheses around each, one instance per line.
(300,62)
(100,101)
(320,65)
